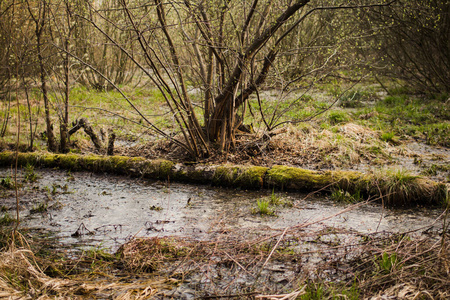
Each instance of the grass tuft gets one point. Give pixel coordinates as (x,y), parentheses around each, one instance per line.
(341,195)
(7,219)
(401,188)
(30,174)
(263,207)
(7,183)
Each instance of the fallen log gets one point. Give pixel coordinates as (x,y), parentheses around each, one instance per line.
(84,123)
(404,191)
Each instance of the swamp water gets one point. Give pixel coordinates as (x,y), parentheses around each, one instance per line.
(96,210)
(227,243)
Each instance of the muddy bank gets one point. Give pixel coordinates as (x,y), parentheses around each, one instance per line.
(392,188)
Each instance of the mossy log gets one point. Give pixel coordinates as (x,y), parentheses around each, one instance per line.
(392,189)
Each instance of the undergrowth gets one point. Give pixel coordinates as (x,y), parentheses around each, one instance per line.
(381,265)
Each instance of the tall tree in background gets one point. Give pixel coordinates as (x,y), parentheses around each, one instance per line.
(414,39)
(62,26)
(39,14)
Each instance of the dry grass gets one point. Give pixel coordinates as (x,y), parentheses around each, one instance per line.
(421,269)
(373,266)
(276,264)
(307,146)
(321,148)
(398,187)
(23,276)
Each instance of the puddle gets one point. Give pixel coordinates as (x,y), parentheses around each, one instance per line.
(106,210)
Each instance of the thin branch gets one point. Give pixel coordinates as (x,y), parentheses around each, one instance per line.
(154,127)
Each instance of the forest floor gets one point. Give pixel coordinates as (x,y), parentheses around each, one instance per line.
(370,128)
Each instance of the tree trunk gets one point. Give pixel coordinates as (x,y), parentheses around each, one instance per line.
(64,136)
(223,120)
(39,21)
(51,142)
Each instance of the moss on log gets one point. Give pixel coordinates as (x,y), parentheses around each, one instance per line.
(393,188)
(248,177)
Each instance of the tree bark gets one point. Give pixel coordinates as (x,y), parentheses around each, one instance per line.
(222,120)
(39,29)
(111,140)
(51,142)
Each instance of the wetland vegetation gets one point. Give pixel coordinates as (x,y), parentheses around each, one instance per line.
(327,123)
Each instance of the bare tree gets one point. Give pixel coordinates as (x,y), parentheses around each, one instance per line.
(96,50)
(62,26)
(6,18)
(225,49)
(39,15)
(413,37)
(226,69)
(18,69)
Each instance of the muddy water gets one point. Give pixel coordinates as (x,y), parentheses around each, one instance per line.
(105,210)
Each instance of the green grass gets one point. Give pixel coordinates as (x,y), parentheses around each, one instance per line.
(7,183)
(398,116)
(285,110)
(7,219)
(333,88)
(266,205)
(100,253)
(389,137)
(103,108)
(433,169)
(388,262)
(437,134)
(328,290)
(263,207)
(337,117)
(403,115)
(399,187)
(400,90)
(40,208)
(30,174)
(356,98)
(341,195)
(314,291)
(275,199)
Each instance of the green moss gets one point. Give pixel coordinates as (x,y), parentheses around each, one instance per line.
(48,160)
(296,178)
(119,164)
(69,161)
(27,158)
(157,169)
(307,180)
(91,162)
(251,177)
(6,157)
(351,181)
(224,176)
(396,188)
(165,168)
